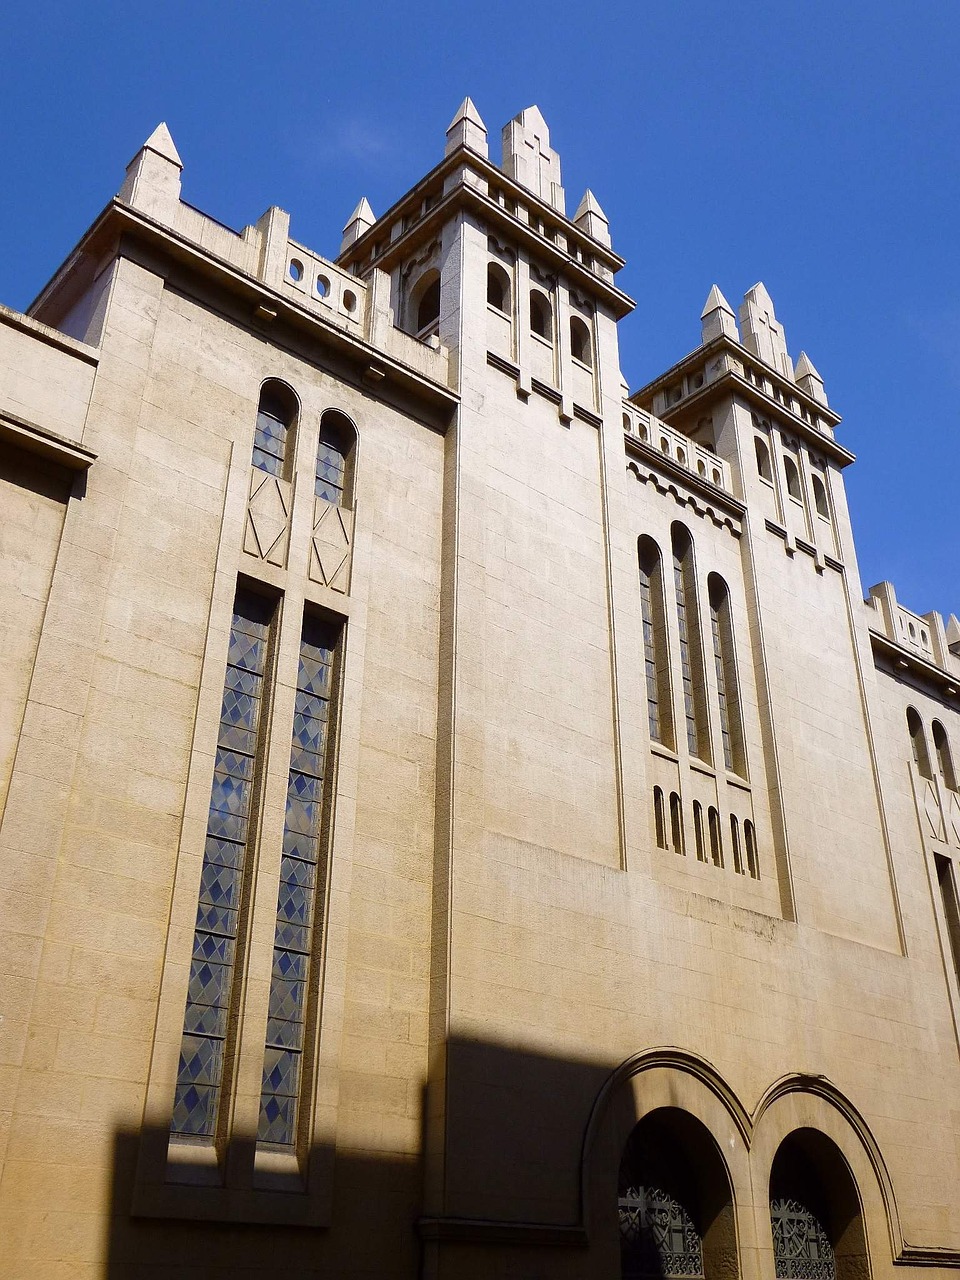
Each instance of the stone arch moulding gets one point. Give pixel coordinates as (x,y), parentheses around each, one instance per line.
(687,1075)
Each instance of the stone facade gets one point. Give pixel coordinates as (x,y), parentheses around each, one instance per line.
(574,845)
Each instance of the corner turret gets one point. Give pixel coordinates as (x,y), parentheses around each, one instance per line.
(152,182)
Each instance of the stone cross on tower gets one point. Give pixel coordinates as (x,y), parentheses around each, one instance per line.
(762,333)
(529,158)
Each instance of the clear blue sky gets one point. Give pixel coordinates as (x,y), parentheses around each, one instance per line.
(813,146)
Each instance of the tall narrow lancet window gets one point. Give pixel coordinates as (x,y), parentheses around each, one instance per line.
(272,443)
(659,818)
(655,652)
(676,823)
(541,315)
(302,885)
(334,457)
(691,646)
(792,474)
(728,689)
(716,837)
(580,347)
(698,831)
(944,759)
(918,743)
(753,858)
(735,845)
(498,288)
(205,1048)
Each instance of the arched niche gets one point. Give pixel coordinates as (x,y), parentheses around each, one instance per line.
(675,1202)
(424,306)
(815,1214)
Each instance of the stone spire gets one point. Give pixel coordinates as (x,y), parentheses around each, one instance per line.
(361,220)
(466,129)
(717,317)
(591,218)
(152,182)
(529,159)
(809,380)
(762,334)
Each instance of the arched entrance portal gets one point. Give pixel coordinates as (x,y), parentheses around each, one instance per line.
(815,1212)
(675,1203)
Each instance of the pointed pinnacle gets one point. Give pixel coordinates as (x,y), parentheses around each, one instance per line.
(715,302)
(362,213)
(804,368)
(467,111)
(589,204)
(162,143)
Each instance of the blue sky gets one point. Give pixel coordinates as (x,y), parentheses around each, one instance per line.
(810,145)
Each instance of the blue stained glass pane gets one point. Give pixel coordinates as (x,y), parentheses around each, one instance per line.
(270,428)
(281,1072)
(208,983)
(244,681)
(237,766)
(229,825)
(289,965)
(307,704)
(302,816)
(304,786)
(286,999)
(218,920)
(294,903)
(246,651)
(308,733)
(277,1120)
(282,1033)
(220,886)
(314,677)
(205,1020)
(195,1109)
(306,762)
(295,871)
(201,1059)
(237,739)
(231,795)
(328,492)
(207,946)
(294,936)
(225,853)
(239,709)
(300,845)
(266,462)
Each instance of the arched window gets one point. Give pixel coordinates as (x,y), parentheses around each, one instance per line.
(815,1213)
(698,831)
(764,470)
(793,477)
(541,315)
(676,823)
(580,346)
(659,818)
(820,497)
(498,288)
(716,837)
(335,458)
(728,689)
(691,646)
(674,1201)
(735,845)
(918,742)
(272,441)
(425,305)
(941,748)
(750,838)
(655,652)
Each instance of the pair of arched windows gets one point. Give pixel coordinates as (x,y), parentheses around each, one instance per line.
(941,748)
(273,444)
(653,597)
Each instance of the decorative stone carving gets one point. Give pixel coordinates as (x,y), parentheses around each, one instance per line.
(267,530)
(332,551)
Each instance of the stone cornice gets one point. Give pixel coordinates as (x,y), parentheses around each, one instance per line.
(45,443)
(904,662)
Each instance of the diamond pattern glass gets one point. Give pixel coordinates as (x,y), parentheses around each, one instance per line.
(269,443)
(331,466)
(301,881)
(212,969)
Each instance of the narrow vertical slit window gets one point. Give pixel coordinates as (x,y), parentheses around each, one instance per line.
(214,966)
(698,831)
(655,652)
(951,908)
(918,743)
(728,688)
(659,818)
(676,823)
(302,885)
(735,845)
(716,837)
(750,839)
(941,748)
(691,647)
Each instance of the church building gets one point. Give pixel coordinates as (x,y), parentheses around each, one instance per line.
(461,817)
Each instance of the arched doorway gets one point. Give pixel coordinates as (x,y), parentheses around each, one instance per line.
(675,1203)
(815,1212)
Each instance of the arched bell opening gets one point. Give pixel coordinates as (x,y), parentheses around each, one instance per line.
(675,1202)
(815,1212)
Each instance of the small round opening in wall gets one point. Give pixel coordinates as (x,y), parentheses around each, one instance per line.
(323,286)
(349,300)
(295,269)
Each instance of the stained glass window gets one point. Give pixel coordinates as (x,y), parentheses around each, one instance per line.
(331,462)
(728,694)
(659,718)
(691,660)
(213,965)
(801,1247)
(658,1238)
(301,889)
